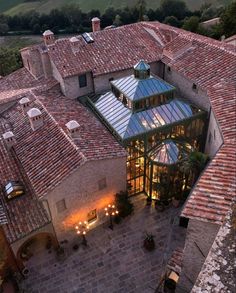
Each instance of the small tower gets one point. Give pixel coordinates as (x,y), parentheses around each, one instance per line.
(73,128)
(9,139)
(35,118)
(25,104)
(96,24)
(141,70)
(48,37)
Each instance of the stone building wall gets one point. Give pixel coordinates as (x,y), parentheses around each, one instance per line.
(81,194)
(102,82)
(31,58)
(184,89)
(199,239)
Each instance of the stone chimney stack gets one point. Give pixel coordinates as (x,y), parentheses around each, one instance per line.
(48,37)
(96,24)
(35,118)
(25,104)
(73,128)
(9,139)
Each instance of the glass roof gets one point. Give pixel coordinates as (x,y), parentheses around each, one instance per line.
(137,89)
(127,124)
(141,65)
(169,152)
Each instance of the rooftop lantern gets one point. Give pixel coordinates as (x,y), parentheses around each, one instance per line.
(141,70)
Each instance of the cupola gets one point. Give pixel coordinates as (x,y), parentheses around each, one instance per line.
(9,139)
(25,104)
(36,118)
(141,70)
(73,128)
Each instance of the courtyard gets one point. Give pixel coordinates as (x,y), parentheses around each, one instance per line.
(115,260)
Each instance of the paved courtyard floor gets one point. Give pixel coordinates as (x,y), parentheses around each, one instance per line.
(114,261)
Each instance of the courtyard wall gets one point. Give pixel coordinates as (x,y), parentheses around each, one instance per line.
(91,187)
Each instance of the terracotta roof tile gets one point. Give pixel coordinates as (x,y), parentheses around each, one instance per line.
(24,214)
(112,50)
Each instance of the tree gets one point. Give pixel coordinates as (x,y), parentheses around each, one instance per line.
(4,28)
(228,20)
(172,20)
(191,24)
(176,8)
(117,21)
(142,8)
(10,60)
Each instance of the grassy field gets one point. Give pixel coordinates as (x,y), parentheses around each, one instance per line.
(12,7)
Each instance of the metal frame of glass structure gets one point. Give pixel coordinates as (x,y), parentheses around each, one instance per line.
(141,130)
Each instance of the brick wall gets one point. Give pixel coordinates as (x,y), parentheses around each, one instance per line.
(199,239)
(82,195)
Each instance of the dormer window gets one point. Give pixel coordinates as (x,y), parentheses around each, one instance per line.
(13,189)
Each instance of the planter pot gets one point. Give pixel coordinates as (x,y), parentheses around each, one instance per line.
(149,245)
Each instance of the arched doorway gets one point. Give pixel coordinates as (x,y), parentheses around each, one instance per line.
(33,245)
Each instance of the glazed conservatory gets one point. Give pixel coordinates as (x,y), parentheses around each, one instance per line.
(157,129)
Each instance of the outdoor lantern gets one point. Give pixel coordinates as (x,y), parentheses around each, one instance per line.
(82,230)
(110,212)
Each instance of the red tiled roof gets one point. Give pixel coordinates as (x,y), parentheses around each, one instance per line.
(47,155)
(19,83)
(95,141)
(112,50)
(24,214)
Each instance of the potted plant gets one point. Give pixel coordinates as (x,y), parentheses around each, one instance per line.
(149,242)
(60,253)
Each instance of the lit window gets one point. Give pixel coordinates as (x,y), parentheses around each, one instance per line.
(61,206)
(82,80)
(92,216)
(102,184)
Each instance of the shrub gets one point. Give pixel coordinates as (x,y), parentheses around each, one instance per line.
(123,204)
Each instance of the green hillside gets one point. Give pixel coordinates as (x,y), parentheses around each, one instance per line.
(16,6)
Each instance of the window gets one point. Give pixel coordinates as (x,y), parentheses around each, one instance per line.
(209,138)
(92,216)
(61,206)
(102,184)
(214,134)
(194,87)
(82,80)
(168,69)
(111,79)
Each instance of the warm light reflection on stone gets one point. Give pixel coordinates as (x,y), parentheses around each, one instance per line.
(81,213)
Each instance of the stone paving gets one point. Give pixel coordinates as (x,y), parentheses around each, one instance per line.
(114,261)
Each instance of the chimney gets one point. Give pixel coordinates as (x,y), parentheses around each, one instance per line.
(25,104)
(73,128)
(36,118)
(48,37)
(9,139)
(96,24)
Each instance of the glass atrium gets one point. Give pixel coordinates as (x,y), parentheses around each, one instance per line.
(157,129)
